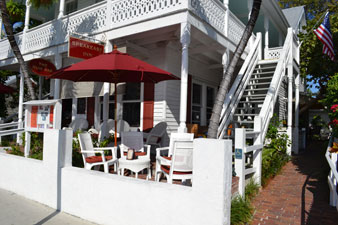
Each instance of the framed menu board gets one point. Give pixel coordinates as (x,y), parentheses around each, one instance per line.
(43,114)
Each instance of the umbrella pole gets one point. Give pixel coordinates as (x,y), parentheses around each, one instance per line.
(115,114)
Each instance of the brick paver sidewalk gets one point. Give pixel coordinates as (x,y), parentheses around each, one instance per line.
(299,194)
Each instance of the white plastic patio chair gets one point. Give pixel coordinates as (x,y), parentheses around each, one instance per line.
(134,140)
(122,126)
(88,154)
(180,165)
(164,154)
(156,134)
(79,124)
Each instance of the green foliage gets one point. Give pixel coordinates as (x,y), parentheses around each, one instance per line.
(42,3)
(15,150)
(16,10)
(36,151)
(242,209)
(331,95)
(274,155)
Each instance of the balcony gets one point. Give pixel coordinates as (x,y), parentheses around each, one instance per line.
(112,14)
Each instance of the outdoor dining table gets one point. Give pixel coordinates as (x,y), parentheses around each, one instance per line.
(134,165)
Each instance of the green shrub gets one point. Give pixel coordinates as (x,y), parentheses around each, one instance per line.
(15,150)
(242,209)
(274,155)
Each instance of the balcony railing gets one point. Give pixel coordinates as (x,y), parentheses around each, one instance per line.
(117,13)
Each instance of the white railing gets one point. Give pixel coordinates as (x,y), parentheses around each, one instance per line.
(211,11)
(14,129)
(261,123)
(111,14)
(273,53)
(267,109)
(332,160)
(239,85)
(241,151)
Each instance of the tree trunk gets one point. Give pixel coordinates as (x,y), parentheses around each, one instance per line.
(15,47)
(225,83)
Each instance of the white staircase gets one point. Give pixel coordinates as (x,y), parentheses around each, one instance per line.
(249,106)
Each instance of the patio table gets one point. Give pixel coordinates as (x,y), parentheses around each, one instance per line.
(135,165)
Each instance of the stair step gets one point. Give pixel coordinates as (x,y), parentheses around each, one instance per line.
(262,83)
(257,89)
(245,121)
(264,73)
(258,101)
(264,67)
(261,78)
(254,95)
(246,114)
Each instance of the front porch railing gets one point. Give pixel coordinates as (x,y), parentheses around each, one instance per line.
(112,14)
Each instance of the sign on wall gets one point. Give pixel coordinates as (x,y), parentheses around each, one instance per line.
(41,115)
(41,67)
(84,49)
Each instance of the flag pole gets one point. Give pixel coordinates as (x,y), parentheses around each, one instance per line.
(320,19)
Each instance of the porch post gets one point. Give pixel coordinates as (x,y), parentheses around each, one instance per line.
(296,129)
(266,36)
(20,110)
(97,112)
(61,9)
(290,86)
(185,40)
(57,82)
(106,92)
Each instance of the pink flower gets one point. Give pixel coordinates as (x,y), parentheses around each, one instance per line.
(334,108)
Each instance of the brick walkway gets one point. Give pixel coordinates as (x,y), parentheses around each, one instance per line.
(299,194)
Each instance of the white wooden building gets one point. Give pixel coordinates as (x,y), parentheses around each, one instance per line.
(193,39)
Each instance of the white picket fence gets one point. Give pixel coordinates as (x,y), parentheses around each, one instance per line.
(332,159)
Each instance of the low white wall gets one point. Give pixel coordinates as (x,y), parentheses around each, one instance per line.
(111,199)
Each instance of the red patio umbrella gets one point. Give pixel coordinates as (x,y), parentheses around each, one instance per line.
(114,67)
(5,89)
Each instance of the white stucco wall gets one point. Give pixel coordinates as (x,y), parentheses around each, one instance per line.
(111,199)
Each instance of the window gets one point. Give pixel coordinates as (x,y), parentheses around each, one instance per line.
(81,106)
(71,6)
(196,103)
(210,102)
(131,105)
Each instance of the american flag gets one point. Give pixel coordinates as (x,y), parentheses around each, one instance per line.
(324,34)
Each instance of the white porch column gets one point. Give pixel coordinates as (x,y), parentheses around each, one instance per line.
(0,28)
(266,36)
(290,86)
(61,9)
(57,82)
(296,129)
(74,108)
(20,110)
(185,40)
(106,92)
(97,112)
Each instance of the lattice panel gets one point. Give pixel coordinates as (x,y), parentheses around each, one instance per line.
(211,12)
(236,29)
(123,10)
(40,38)
(273,54)
(89,21)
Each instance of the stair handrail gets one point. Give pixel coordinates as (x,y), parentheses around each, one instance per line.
(239,85)
(266,112)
